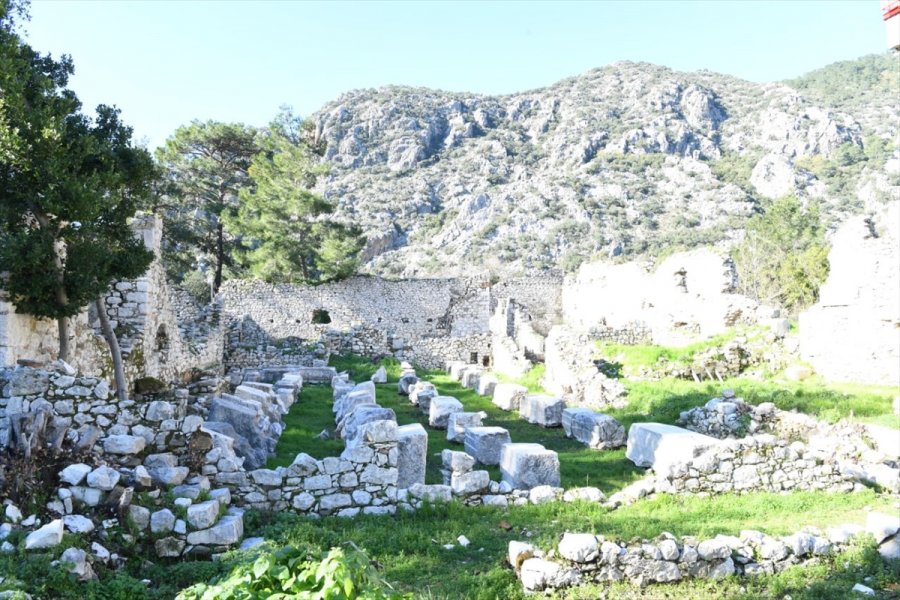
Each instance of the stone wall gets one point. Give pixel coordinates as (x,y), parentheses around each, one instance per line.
(853,332)
(755,463)
(572,373)
(585,557)
(687,297)
(159,335)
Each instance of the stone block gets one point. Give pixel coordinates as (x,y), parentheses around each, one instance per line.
(542,410)
(412,445)
(659,446)
(74,474)
(486,384)
(457,424)
(440,410)
(380,375)
(470,376)
(103,478)
(593,429)
(486,443)
(316,374)
(457,462)
(203,515)
(407,380)
(229,530)
(124,444)
(525,466)
(352,424)
(507,396)
(467,484)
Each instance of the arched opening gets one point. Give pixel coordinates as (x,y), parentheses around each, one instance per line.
(320,316)
(485,361)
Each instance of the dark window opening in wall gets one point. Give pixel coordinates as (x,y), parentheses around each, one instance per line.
(485,361)
(320,316)
(379,320)
(473,358)
(404,320)
(162,340)
(429,320)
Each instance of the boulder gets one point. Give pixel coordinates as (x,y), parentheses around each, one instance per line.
(525,466)
(542,410)
(485,443)
(47,536)
(658,446)
(593,429)
(440,410)
(412,446)
(467,484)
(458,422)
(103,478)
(74,474)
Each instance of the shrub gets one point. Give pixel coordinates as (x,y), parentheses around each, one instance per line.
(783,259)
(297,573)
(194,283)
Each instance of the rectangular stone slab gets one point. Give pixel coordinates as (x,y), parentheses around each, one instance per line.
(440,410)
(457,424)
(542,410)
(507,396)
(657,445)
(593,429)
(412,446)
(316,374)
(525,466)
(486,443)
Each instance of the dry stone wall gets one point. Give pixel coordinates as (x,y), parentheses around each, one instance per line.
(853,332)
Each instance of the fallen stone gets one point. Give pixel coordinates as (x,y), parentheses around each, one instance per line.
(458,422)
(542,410)
(103,478)
(440,410)
(525,466)
(48,536)
(380,375)
(203,515)
(508,396)
(593,429)
(485,443)
(658,446)
(74,474)
(579,547)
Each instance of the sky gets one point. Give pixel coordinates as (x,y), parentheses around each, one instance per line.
(165,63)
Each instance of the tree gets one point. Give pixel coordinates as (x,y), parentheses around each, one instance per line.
(206,167)
(286,231)
(783,258)
(68,186)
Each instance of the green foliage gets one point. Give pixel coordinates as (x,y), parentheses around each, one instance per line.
(845,166)
(648,355)
(70,184)
(852,83)
(287,235)
(735,169)
(783,258)
(294,572)
(206,166)
(194,282)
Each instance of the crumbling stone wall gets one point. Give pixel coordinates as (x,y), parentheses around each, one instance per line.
(853,332)
(687,297)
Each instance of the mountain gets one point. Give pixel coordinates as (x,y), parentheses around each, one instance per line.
(629,160)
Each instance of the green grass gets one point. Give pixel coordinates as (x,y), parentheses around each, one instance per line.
(579,465)
(408,547)
(648,355)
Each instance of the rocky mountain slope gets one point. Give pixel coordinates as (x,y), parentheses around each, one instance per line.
(628,160)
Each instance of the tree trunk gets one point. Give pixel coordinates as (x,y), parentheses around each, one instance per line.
(63,325)
(220,256)
(114,351)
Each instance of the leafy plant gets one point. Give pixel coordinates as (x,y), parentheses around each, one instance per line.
(298,573)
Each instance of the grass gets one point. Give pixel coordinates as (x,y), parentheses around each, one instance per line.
(408,547)
(579,465)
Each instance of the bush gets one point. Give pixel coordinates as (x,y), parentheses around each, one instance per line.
(297,573)
(194,283)
(783,259)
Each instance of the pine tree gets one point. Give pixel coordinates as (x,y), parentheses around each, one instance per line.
(286,229)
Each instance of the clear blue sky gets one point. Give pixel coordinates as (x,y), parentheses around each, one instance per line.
(166,63)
